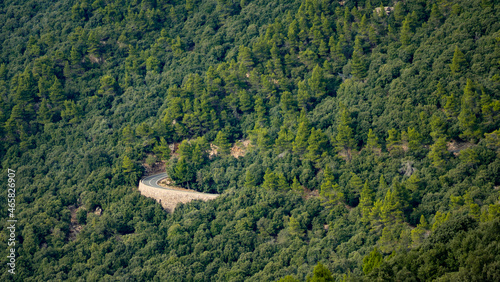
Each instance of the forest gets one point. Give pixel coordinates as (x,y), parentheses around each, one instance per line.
(373,131)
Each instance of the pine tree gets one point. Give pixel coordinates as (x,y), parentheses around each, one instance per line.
(109,87)
(391,209)
(317,83)
(366,202)
(296,187)
(26,88)
(189,6)
(405,36)
(303,96)
(458,62)
(358,64)
(182,171)
(372,142)
(245,101)
(293,31)
(250,179)
(317,145)
(288,103)
(93,44)
(451,106)
(300,142)
(294,227)
(392,140)
(56,92)
(382,184)
(372,260)
(274,181)
(355,184)
(467,118)
(345,139)
(414,139)
(72,112)
(44,114)
(245,57)
(438,153)
(330,190)
(321,274)
(413,183)
(162,149)
(436,16)
(128,166)
(285,139)
(222,143)
(3,71)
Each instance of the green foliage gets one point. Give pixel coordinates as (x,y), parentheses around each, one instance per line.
(371,261)
(90,90)
(321,274)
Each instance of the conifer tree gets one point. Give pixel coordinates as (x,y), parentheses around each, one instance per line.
(451,105)
(330,190)
(56,95)
(72,112)
(418,233)
(393,138)
(293,31)
(274,181)
(300,142)
(321,274)
(222,143)
(414,139)
(93,44)
(245,101)
(467,117)
(405,36)
(162,149)
(366,202)
(345,140)
(438,153)
(358,65)
(317,83)
(44,114)
(288,103)
(285,139)
(182,172)
(128,166)
(75,56)
(391,209)
(372,142)
(458,62)
(316,145)
(372,260)
(25,88)
(296,187)
(382,184)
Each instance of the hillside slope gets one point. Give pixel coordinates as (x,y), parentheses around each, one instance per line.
(351,110)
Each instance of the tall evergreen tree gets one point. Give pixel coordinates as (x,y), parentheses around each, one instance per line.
(345,140)
(458,62)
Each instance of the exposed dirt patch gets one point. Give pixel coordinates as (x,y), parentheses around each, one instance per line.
(74,226)
(95,59)
(455,147)
(309,194)
(239,149)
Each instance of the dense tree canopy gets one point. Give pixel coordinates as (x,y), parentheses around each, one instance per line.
(373,131)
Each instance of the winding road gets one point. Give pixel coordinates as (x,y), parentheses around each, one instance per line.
(153,180)
(169,197)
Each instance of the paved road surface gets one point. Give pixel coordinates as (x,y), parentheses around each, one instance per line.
(153,180)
